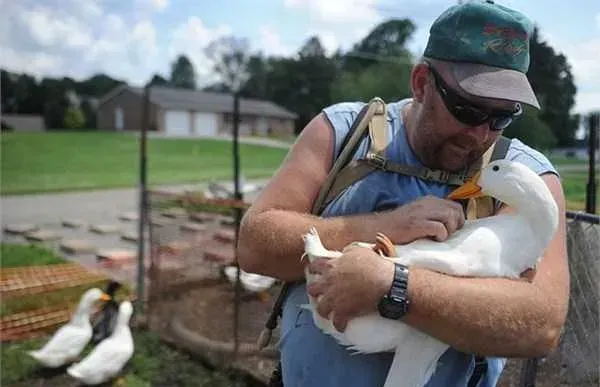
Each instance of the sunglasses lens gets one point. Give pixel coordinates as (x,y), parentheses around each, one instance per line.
(501,123)
(468,115)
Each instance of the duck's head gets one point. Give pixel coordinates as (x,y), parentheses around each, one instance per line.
(516,185)
(89,299)
(125,312)
(505,180)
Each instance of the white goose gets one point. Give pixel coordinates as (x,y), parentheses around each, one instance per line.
(110,356)
(70,339)
(502,246)
(251,282)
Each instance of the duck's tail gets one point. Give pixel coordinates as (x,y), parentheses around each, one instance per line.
(415,361)
(313,247)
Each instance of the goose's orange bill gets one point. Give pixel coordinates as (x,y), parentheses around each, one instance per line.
(468,190)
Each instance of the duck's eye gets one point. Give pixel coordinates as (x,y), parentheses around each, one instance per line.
(495,168)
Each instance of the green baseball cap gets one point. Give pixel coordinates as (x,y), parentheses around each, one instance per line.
(487,46)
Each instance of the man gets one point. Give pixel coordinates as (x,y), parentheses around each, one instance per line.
(468,88)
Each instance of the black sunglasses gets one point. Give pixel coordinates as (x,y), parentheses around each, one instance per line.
(469,113)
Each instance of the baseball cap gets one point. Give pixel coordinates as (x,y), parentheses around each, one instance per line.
(487,47)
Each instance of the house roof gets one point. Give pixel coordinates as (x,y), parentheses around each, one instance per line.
(23,121)
(171,98)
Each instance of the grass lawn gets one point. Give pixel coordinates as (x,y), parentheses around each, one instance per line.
(60,161)
(153,363)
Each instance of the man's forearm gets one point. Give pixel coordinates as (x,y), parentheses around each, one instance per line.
(271,241)
(488,316)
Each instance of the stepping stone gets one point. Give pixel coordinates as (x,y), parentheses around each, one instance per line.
(20,228)
(159,222)
(42,235)
(116,254)
(73,223)
(174,212)
(174,247)
(202,217)
(193,227)
(77,246)
(224,235)
(227,221)
(129,216)
(104,228)
(131,236)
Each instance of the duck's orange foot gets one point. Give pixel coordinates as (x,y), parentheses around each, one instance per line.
(263,296)
(384,246)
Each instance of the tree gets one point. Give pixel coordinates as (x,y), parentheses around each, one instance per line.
(74,118)
(386,41)
(183,74)
(552,80)
(157,80)
(230,57)
(530,129)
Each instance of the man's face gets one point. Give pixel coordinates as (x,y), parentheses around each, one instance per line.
(440,139)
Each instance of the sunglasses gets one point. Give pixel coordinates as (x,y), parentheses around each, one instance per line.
(469,113)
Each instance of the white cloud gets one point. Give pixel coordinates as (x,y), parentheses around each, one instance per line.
(362,11)
(598,20)
(151,5)
(48,30)
(190,38)
(270,42)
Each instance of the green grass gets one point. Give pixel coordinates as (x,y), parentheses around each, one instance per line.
(45,162)
(575,186)
(15,255)
(153,364)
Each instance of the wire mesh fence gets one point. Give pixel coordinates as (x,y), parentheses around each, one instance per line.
(576,361)
(192,297)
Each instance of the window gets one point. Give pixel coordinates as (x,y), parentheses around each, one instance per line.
(119,118)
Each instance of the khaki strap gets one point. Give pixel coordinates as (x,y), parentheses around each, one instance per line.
(357,130)
(378,131)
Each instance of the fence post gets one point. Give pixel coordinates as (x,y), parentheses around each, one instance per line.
(590,200)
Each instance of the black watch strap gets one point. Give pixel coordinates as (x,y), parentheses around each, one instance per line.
(394,305)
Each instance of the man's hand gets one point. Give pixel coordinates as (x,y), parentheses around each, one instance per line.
(351,285)
(427,217)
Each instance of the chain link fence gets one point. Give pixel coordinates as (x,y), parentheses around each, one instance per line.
(576,361)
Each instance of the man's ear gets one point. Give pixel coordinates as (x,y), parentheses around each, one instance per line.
(419,78)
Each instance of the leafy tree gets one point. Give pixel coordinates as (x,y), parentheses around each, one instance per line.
(74,118)
(157,80)
(530,129)
(183,74)
(552,81)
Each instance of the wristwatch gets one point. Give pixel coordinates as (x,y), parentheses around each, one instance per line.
(394,304)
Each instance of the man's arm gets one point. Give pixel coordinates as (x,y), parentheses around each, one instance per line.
(270,239)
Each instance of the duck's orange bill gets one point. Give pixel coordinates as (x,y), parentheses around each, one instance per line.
(105,297)
(468,190)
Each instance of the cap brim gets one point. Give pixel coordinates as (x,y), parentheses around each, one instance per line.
(494,82)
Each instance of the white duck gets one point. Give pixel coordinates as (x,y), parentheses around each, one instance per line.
(110,356)
(251,282)
(503,246)
(70,339)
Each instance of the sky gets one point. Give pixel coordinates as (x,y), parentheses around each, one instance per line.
(133,39)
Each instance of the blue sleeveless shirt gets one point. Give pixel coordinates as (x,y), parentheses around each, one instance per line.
(311,358)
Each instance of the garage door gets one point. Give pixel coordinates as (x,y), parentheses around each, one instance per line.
(177,123)
(205,124)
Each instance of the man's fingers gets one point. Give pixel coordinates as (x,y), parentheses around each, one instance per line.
(435,230)
(340,322)
(319,266)
(315,289)
(324,307)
